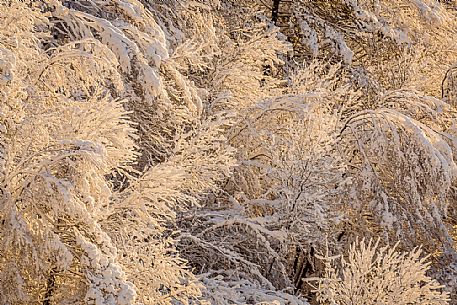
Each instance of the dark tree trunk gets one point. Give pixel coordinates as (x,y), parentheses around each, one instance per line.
(50,286)
(275,11)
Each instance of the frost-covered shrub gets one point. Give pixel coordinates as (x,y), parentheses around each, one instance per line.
(388,44)
(81,221)
(378,275)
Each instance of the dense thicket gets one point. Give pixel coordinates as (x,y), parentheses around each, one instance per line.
(228,152)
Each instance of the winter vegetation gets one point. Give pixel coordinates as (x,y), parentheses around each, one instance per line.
(228,152)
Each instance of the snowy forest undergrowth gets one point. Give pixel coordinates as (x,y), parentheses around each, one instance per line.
(228,152)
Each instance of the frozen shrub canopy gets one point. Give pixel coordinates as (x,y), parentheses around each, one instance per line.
(209,152)
(374,275)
